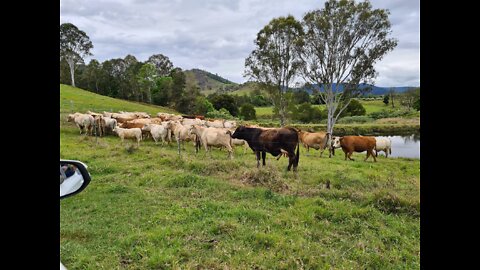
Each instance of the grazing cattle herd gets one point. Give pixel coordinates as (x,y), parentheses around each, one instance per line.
(224,134)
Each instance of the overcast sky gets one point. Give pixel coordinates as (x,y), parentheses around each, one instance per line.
(217,35)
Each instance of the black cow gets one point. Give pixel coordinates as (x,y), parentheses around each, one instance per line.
(274,141)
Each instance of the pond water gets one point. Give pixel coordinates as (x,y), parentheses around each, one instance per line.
(407,146)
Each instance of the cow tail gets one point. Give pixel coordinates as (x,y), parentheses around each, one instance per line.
(297,156)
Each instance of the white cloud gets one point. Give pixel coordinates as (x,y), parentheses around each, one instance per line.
(217,35)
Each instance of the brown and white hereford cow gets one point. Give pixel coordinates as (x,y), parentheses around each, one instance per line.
(350,144)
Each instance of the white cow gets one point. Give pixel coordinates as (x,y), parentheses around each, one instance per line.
(383,144)
(83,121)
(158,131)
(213,137)
(129,133)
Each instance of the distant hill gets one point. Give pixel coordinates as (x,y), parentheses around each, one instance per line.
(376,90)
(208,82)
(213,83)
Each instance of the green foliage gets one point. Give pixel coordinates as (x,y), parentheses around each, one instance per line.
(220,114)
(354,108)
(224,101)
(178,87)
(306,113)
(189,102)
(202,106)
(301,96)
(162,91)
(162,64)
(146,80)
(247,112)
(416,104)
(386,99)
(411,99)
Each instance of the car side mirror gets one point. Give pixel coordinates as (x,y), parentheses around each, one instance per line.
(74,177)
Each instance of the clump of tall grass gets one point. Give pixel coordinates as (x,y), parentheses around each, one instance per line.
(266,177)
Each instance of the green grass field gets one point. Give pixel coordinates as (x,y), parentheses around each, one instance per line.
(147,208)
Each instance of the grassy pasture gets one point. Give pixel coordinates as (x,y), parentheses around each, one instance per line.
(148,208)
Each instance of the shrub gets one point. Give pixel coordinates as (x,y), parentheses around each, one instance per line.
(222,114)
(354,108)
(247,111)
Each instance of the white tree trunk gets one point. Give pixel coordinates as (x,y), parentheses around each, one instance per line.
(71,64)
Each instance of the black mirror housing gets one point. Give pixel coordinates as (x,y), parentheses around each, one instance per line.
(74,177)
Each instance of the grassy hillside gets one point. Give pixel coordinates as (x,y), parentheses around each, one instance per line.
(78,100)
(244,89)
(207,82)
(147,208)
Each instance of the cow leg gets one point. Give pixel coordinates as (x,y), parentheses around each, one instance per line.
(368,154)
(290,161)
(206,148)
(264,154)
(386,153)
(257,153)
(350,156)
(374,158)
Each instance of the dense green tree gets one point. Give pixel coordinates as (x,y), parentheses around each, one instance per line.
(162,64)
(301,96)
(178,86)
(354,108)
(273,62)
(247,112)
(65,77)
(224,101)
(161,93)
(306,113)
(74,46)
(342,42)
(386,99)
(146,80)
(90,76)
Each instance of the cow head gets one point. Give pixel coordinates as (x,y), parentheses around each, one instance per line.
(240,133)
(192,130)
(336,142)
(146,127)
